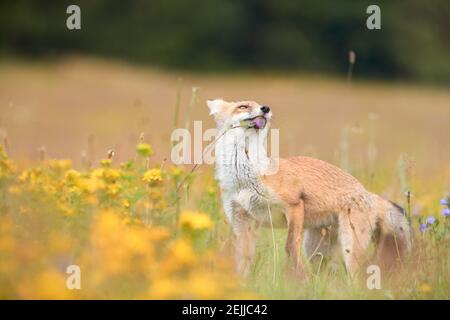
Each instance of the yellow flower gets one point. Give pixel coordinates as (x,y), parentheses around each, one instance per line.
(425,288)
(159,233)
(160,205)
(152,175)
(166,288)
(182,252)
(24,176)
(98,173)
(60,165)
(51,189)
(135,240)
(66,210)
(6,166)
(7,243)
(14,190)
(90,185)
(111,175)
(195,221)
(60,242)
(49,284)
(155,194)
(144,149)
(112,190)
(72,175)
(107,228)
(211,191)
(176,172)
(91,199)
(204,286)
(106,163)
(126,203)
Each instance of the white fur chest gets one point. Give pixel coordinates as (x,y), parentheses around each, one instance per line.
(238,169)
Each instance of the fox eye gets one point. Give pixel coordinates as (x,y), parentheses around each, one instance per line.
(242,107)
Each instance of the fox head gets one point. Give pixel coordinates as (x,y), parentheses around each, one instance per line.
(248,115)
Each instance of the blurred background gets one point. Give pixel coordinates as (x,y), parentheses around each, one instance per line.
(139,69)
(133,62)
(213,35)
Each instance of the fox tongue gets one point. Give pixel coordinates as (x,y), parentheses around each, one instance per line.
(259,122)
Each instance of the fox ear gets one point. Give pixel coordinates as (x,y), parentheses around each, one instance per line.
(214,105)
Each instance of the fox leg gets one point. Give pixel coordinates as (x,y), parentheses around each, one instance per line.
(355,232)
(295,218)
(319,241)
(244,242)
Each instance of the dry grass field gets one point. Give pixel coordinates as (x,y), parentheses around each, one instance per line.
(392,136)
(58,105)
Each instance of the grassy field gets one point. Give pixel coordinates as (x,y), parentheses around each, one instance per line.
(65,201)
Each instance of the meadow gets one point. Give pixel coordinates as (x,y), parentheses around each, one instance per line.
(86,179)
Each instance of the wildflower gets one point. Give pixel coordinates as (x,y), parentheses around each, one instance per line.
(24,176)
(425,288)
(14,189)
(72,175)
(446,212)
(91,199)
(90,185)
(166,288)
(127,165)
(61,165)
(430,220)
(106,163)
(176,172)
(6,166)
(203,286)
(144,149)
(49,284)
(126,203)
(159,233)
(195,221)
(444,202)
(50,189)
(152,175)
(112,190)
(97,173)
(106,227)
(66,210)
(135,240)
(160,205)
(182,252)
(423,227)
(155,194)
(211,191)
(111,175)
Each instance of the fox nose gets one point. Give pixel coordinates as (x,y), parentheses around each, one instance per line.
(265,109)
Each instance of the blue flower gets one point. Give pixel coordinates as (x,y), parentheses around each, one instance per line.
(430,220)
(423,227)
(446,212)
(444,202)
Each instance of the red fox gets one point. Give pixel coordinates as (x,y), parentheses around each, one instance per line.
(305,194)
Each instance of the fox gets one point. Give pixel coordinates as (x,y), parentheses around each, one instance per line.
(310,197)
